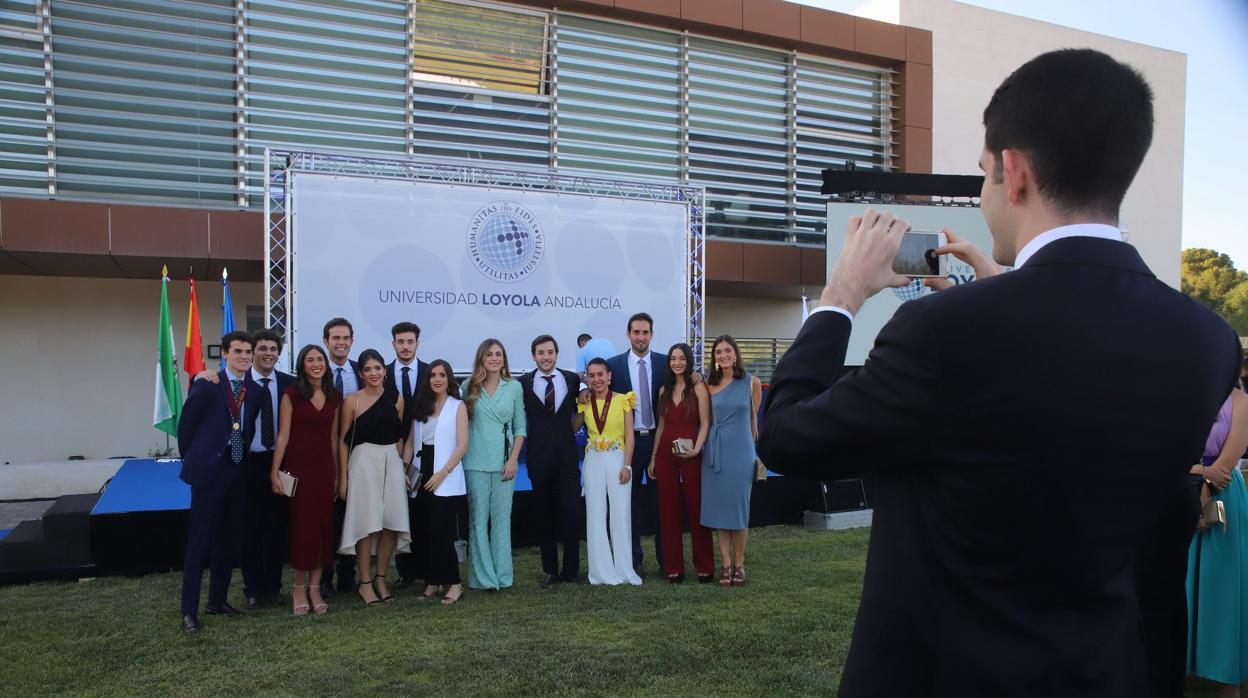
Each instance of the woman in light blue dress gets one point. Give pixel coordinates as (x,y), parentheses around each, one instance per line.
(728,457)
(496,432)
(1217,561)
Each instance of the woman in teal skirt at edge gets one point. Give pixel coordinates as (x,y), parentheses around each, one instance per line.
(1217,561)
(496,431)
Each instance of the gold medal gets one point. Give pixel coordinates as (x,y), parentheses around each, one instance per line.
(236,426)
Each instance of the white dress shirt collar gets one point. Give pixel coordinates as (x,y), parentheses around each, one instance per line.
(1089,230)
(257,376)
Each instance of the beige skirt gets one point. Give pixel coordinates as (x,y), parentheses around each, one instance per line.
(376,497)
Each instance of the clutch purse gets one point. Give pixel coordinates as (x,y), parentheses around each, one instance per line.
(1212,511)
(289,483)
(414,476)
(760,470)
(682,446)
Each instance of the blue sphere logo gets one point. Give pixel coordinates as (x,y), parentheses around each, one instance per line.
(505,241)
(912,290)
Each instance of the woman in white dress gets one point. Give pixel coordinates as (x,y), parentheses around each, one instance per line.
(371,478)
(440,431)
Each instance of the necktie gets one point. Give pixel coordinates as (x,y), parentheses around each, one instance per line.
(550,393)
(644,408)
(236,435)
(266,415)
(338,380)
(407,384)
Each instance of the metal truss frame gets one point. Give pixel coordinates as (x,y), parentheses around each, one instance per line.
(281,166)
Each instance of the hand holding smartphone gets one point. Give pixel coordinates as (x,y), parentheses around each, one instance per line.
(917,258)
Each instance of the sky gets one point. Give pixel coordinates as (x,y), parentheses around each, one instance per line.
(1214,35)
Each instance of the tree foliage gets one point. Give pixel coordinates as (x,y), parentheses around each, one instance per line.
(1211,278)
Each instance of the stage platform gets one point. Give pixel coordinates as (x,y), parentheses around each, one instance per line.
(138,523)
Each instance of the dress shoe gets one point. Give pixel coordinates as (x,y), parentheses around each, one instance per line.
(570,578)
(705,578)
(274,599)
(254,603)
(641,571)
(549,580)
(223,610)
(190,624)
(675,578)
(402,583)
(327,590)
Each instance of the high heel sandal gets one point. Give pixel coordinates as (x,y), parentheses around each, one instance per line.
(388,597)
(300,609)
(725,576)
(321,608)
(449,600)
(427,596)
(738,576)
(359,585)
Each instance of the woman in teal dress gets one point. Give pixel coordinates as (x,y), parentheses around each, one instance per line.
(1217,561)
(728,457)
(496,432)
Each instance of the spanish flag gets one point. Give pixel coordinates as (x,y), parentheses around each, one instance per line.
(193,359)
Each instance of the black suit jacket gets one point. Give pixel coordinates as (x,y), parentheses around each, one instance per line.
(393,382)
(550,437)
(1020,470)
(622,378)
(205,425)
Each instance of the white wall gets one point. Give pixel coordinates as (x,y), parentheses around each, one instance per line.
(763,318)
(79,359)
(974,49)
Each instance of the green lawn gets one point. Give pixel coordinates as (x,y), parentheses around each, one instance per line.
(785,633)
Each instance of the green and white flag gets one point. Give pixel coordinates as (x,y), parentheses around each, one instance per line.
(168,405)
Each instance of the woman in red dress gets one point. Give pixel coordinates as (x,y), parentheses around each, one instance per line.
(306,447)
(684,413)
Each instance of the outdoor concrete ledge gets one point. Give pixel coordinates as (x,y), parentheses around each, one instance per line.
(837,521)
(52,479)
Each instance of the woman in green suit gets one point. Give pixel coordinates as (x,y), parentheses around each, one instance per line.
(495,434)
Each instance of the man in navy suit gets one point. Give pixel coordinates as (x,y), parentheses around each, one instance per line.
(338,336)
(1032,514)
(403,376)
(551,457)
(216,425)
(627,373)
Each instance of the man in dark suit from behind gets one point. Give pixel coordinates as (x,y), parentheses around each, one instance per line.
(403,375)
(1031,517)
(627,371)
(216,425)
(338,336)
(552,458)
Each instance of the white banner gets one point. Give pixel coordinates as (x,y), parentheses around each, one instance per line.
(465,263)
(965,221)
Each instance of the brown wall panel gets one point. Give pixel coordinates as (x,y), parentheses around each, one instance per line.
(916,102)
(720,13)
(157,231)
(772,17)
(919,45)
(236,235)
(61,264)
(40,225)
(827,28)
(725,260)
(880,38)
(773,264)
(814,267)
(917,149)
(661,8)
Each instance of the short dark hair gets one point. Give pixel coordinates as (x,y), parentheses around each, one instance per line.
(582,338)
(542,339)
(402,327)
(236,336)
(640,316)
(1084,121)
(599,361)
(366,355)
(338,322)
(270,334)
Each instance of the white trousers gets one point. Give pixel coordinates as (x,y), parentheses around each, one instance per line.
(608,564)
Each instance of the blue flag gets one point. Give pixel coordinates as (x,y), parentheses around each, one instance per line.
(227,310)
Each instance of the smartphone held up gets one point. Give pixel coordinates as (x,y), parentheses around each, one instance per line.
(917,258)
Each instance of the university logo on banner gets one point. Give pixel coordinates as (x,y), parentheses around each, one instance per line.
(505,241)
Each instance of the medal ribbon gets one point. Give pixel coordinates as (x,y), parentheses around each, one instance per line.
(601,422)
(236,405)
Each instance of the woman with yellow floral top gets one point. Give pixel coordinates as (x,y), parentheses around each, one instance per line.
(608,417)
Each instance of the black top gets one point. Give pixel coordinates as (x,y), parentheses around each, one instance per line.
(379,424)
(1031,525)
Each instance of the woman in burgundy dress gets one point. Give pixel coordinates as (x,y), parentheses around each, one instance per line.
(684,413)
(306,447)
